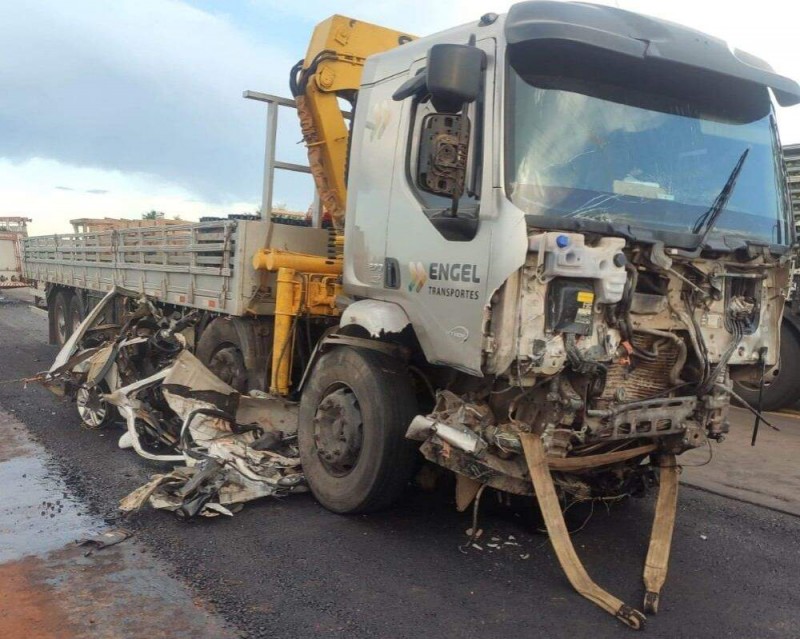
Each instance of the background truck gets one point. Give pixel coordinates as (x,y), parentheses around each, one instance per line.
(12,231)
(557,235)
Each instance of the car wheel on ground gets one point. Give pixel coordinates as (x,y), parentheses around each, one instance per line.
(94,411)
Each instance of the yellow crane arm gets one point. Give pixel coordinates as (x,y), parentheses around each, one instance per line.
(331,70)
(309,284)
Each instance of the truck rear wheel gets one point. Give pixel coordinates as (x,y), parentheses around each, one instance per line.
(354,412)
(74,314)
(235,350)
(782,388)
(60,317)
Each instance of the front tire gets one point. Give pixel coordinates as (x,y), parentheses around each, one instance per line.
(94,411)
(354,412)
(783,389)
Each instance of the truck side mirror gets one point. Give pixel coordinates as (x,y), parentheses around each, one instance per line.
(453,79)
(454,75)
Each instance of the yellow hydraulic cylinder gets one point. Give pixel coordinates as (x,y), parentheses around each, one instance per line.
(286,309)
(273,260)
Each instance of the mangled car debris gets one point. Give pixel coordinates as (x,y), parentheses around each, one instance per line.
(232,448)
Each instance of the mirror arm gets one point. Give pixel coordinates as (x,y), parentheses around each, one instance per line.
(410,87)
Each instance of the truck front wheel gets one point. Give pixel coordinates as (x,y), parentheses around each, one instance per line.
(354,412)
(782,387)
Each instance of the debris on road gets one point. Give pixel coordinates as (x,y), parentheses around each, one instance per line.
(233,448)
(104,540)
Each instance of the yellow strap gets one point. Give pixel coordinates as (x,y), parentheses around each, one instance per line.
(559,537)
(655,566)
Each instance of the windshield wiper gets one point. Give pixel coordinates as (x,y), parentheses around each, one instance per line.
(708,220)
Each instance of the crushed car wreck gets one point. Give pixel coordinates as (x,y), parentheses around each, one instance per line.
(233,448)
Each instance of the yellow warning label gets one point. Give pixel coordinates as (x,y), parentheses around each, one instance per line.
(585,297)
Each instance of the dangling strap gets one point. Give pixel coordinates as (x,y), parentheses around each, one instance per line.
(655,566)
(562,543)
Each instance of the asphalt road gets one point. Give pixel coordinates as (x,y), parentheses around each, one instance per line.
(290,569)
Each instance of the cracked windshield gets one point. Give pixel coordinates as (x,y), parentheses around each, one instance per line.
(584,150)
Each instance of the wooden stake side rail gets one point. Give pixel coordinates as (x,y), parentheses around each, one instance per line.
(205,265)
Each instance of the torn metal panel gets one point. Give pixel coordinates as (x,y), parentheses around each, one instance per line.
(132,409)
(231,448)
(71,346)
(189,372)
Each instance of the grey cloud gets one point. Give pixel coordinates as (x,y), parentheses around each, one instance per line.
(64,188)
(146,87)
(96,191)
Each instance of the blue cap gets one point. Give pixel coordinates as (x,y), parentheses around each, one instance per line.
(562,241)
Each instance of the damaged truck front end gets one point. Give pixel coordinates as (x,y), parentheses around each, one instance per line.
(631,350)
(659,254)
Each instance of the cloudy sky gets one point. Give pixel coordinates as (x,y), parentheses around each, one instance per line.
(116,107)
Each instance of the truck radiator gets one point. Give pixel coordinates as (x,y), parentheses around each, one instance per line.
(642,379)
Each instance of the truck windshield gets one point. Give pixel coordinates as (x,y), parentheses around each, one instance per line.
(581,148)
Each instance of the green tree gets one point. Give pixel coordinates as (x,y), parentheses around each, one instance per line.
(153,215)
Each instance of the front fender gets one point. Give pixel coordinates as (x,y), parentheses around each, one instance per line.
(378,318)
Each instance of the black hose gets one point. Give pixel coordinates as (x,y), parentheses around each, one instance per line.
(624,310)
(293,78)
(298,77)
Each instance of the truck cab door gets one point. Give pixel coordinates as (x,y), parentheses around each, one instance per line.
(436,267)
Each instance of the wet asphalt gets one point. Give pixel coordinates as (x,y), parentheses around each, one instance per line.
(289,568)
(52,587)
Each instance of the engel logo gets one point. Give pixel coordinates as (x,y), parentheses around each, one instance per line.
(418,276)
(439,271)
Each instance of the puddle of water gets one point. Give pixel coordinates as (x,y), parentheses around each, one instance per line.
(36,514)
(49,588)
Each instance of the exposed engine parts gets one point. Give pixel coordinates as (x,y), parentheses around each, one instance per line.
(613,347)
(607,361)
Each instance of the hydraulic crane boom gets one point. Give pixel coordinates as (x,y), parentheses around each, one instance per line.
(308,284)
(332,70)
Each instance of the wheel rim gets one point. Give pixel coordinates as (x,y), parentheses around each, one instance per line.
(338,430)
(92,408)
(227,363)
